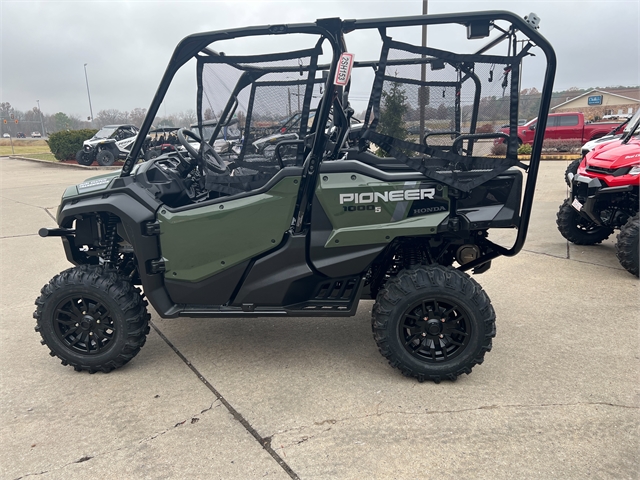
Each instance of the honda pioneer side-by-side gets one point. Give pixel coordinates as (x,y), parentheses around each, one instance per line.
(605,197)
(110,143)
(397,209)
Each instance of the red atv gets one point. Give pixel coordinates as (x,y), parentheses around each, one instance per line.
(604,198)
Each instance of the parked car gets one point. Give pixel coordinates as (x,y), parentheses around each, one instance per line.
(36,135)
(6,135)
(564,126)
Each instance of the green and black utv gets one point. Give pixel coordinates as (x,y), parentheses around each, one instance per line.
(395,208)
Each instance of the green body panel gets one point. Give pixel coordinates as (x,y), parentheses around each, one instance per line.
(92,184)
(375,215)
(200,242)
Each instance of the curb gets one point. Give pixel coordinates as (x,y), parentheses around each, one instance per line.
(57,164)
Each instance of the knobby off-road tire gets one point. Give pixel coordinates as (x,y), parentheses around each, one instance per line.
(105,158)
(83,158)
(92,318)
(627,245)
(577,229)
(433,323)
(572,168)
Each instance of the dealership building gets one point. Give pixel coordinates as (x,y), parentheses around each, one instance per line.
(602,105)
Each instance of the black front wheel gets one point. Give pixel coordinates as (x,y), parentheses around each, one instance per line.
(572,168)
(628,245)
(84,158)
(92,318)
(577,229)
(433,323)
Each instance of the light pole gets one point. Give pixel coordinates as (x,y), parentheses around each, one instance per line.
(88,94)
(41,121)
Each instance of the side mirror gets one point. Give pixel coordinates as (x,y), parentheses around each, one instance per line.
(532,127)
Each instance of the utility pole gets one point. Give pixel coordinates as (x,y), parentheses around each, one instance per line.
(88,94)
(423,77)
(41,121)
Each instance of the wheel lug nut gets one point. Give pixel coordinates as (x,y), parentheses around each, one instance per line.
(442,320)
(441,336)
(98,321)
(424,334)
(91,334)
(77,324)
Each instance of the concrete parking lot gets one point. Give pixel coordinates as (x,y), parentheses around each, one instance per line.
(557,397)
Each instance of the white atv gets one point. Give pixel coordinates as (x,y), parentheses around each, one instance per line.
(110,143)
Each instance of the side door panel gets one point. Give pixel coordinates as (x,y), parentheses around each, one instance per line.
(197,243)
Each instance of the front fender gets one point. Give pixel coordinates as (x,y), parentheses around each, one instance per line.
(134,211)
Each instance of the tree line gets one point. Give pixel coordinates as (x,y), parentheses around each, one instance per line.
(33,120)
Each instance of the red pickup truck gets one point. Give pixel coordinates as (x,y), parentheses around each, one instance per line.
(566,126)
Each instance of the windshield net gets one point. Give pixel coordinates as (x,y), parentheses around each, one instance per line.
(268,98)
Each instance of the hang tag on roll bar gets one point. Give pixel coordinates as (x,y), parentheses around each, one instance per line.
(343,72)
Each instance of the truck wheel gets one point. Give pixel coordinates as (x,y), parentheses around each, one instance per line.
(578,229)
(105,158)
(92,318)
(572,168)
(83,158)
(433,323)
(627,245)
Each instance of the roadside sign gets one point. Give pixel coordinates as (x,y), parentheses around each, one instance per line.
(16,121)
(5,121)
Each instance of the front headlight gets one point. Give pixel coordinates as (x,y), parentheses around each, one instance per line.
(635,170)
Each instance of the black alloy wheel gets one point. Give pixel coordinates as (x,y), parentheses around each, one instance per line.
(435,330)
(92,318)
(84,325)
(84,158)
(105,158)
(433,322)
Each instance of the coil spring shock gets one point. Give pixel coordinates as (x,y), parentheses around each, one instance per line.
(111,250)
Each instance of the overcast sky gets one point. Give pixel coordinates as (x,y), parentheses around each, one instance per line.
(127,44)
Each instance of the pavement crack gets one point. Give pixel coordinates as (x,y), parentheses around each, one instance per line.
(265,442)
(378,413)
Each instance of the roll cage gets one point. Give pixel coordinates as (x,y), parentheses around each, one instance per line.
(394,74)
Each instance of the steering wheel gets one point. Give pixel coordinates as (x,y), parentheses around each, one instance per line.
(208,156)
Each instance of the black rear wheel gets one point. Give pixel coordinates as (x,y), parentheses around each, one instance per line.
(433,323)
(105,158)
(577,229)
(92,318)
(627,245)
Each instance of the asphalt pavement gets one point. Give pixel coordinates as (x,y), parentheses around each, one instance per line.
(312,398)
